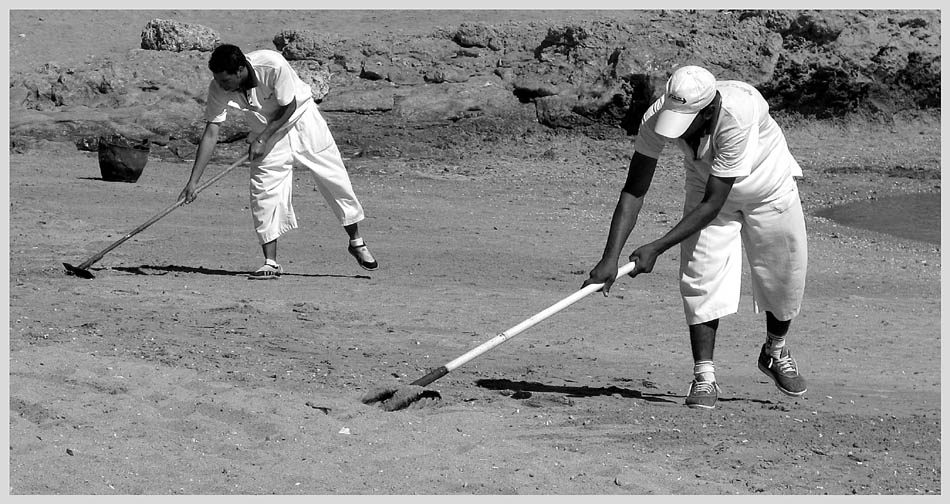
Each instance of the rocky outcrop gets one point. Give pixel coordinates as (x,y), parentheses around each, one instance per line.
(583,76)
(833,64)
(169,35)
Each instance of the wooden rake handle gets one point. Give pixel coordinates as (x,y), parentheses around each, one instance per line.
(439,372)
(89,262)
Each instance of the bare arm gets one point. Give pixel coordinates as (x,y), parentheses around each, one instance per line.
(717,190)
(209,139)
(639,178)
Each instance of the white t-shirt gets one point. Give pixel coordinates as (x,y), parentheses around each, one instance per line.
(745,143)
(277,85)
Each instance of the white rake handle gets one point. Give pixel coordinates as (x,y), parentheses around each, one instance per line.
(518,329)
(167,210)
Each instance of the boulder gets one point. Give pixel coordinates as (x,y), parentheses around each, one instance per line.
(315,74)
(360,101)
(306,45)
(477,35)
(479,96)
(442,74)
(169,35)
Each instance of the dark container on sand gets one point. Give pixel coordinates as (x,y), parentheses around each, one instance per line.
(122,160)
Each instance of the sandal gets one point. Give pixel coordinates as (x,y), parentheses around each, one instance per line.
(266,272)
(363,256)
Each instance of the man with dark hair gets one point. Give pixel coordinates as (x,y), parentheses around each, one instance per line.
(740,193)
(287,131)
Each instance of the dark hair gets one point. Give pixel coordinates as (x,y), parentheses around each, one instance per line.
(227,58)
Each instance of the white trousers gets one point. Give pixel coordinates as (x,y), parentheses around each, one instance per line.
(773,234)
(310,145)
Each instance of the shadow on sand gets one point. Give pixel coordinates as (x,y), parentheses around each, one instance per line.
(163,270)
(524,389)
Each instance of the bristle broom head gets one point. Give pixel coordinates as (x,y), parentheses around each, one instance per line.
(378,394)
(81,273)
(408,395)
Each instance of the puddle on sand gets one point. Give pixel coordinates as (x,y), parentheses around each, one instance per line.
(912,216)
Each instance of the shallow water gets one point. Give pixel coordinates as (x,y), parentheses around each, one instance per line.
(912,216)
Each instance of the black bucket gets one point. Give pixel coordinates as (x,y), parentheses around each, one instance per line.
(121,159)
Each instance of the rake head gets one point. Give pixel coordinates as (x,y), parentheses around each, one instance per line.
(80,272)
(392,399)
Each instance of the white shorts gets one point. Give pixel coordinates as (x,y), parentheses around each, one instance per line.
(773,235)
(308,144)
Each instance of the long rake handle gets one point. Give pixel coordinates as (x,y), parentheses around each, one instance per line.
(159,215)
(437,373)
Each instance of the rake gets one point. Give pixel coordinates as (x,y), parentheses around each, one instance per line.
(395,398)
(82,271)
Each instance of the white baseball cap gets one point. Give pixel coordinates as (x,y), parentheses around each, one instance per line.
(689,89)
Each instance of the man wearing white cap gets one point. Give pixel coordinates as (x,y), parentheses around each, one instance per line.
(740,193)
(287,130)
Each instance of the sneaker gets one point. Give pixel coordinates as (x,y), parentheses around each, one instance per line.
(702,394)
(363,257)
(783,371)
(266,272)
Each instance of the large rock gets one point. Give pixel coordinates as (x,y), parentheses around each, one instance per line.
(478,35)
(314,74)
(169,35)
(835,63)
(371,100)
(480,95)
(307,45)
